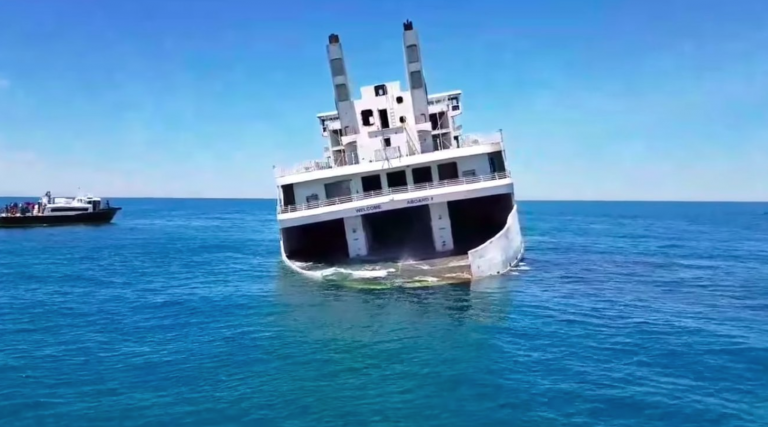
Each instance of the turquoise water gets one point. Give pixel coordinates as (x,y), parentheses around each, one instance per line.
(180,314)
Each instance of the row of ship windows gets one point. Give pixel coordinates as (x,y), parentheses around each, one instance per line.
(420,175)
(374,182)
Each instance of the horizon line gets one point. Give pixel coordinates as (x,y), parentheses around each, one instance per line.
(520,200)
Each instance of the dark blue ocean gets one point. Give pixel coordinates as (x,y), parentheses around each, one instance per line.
(180,314)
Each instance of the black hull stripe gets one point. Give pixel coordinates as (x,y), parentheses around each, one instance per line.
(102,216)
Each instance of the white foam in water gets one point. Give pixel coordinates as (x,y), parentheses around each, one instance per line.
(303,264)
(459,275)
(343,273)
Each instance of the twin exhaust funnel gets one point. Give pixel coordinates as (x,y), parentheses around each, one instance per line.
(341,84)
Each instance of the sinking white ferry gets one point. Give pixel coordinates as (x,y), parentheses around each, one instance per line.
(400,181)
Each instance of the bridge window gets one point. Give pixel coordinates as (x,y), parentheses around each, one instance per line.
(384,119)
(367,116)
(380,90)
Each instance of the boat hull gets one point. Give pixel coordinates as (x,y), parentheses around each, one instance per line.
(102,216)
(496,256)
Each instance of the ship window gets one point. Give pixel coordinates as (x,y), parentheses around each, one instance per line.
(417,81)
(313,198)
(384,119)
(371,183)
(396,179)
(496,162)
(337,67)
(367,116)
(434,121)
(380,90)
(412,53)
(422,175)
(289,197)
(342,93)
(468,173)
(69,210)
(447,171)
(387,142)
(402,119)
(338,189)
(399,99)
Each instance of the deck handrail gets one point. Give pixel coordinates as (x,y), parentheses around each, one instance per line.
(394,190)
(468,140)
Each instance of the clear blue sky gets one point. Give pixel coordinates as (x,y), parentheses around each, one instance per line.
(598,99)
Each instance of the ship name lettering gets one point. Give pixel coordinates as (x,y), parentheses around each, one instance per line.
(419,200)
(368,209)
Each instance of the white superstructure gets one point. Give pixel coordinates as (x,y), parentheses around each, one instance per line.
(399,178)
(55,206)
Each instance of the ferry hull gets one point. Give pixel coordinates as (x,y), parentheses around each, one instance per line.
(102,216)
(496,256)
(500,253)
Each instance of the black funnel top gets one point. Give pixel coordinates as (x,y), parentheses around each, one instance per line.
(407,25)
(333,39)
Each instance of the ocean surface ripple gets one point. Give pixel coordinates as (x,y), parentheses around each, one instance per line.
(181,314)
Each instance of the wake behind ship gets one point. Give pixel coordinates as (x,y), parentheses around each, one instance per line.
(399,181)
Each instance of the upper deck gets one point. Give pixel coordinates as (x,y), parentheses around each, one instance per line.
(386,122)
(388,142)
(387,157)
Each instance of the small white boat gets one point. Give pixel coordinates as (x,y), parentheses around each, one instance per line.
(49,210)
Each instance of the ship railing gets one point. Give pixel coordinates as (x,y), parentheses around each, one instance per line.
(351,158)
(388,153)
(308,166)
(347,159)
(394,190)
(471,140)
